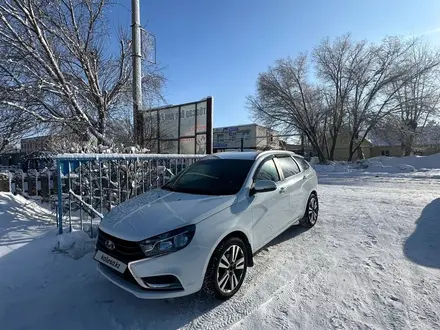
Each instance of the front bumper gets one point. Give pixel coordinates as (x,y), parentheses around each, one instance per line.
(137,290)
(187,266)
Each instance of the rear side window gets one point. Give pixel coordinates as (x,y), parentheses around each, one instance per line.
(268,171)
(302,162)
(288,166)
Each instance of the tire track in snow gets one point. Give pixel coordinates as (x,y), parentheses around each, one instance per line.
(285,293)
(269,278)
(381,294)
(371,300)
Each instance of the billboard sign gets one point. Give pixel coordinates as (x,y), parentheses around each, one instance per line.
(180,129)
(230,137)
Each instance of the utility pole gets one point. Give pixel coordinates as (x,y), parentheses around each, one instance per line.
(137,73)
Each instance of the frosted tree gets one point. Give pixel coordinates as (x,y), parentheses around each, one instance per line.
(58,64)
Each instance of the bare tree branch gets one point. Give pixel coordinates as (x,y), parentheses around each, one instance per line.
(358,86)
(55,64)
(285,100)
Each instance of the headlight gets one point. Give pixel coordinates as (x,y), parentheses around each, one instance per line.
(169,242)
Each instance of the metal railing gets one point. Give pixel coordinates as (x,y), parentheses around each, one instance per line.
(92,184)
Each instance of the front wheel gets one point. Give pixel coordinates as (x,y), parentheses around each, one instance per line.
(311,214)
(227,269)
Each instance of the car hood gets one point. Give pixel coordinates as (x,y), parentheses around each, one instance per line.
(158,211)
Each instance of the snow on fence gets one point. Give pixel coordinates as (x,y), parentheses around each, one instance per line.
(92,184)
(32,184)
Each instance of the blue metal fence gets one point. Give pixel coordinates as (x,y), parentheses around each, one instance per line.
(90,185)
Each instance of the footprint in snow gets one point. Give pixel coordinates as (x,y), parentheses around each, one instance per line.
(371,262)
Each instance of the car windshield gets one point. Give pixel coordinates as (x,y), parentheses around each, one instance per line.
(211,176)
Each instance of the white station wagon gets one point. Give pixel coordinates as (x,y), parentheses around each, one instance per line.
(201,229)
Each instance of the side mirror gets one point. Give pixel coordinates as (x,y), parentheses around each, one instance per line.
(263,186)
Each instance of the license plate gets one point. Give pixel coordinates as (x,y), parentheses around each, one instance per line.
(110,261)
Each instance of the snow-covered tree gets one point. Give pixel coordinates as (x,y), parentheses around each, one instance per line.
(55,58)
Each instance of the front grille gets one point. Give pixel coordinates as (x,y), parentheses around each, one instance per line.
(127,251)
(124,251)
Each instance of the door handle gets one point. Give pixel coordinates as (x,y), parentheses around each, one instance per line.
(305,177)
(282,190)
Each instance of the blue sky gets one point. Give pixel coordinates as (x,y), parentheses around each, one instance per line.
(218,47)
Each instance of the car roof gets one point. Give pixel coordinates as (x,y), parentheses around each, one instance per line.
(250,155)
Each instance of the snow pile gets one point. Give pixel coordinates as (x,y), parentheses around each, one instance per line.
(20,217)
(19,206)
(417,166)
(418,162)
(75,244)
(402,164)
(406,168)
(314,160)
(375,165)
(335,167)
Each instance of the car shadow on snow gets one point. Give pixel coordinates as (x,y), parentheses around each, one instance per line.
(423,246)
(290,233)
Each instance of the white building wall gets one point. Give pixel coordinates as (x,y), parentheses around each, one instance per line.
(254,137)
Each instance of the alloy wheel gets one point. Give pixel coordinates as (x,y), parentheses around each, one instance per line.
(230,269)
(313,210)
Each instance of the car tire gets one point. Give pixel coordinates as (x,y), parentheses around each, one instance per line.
(311,214)
(226,269)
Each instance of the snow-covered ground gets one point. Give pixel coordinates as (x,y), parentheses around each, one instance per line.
(371,262)
(403,167)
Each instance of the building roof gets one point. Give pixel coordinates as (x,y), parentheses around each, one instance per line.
(429,135)
(245,125)
(233,126)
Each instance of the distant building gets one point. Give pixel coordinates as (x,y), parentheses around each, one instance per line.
(342,148)
(306,150)
(252,136)
(373,146)
(36,144)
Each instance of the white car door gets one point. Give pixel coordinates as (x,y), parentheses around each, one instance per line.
(293,181)
(268,207)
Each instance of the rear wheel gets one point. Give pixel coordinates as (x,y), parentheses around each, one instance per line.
(227,269)
(311,214)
